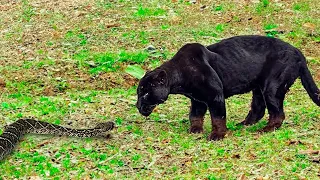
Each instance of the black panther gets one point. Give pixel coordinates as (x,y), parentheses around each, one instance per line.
(208,75)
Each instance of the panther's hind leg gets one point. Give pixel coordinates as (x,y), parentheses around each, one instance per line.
(196,116)
(258,107)
(277,83)
(274,104)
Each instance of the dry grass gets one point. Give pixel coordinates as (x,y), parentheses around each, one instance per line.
(45,49)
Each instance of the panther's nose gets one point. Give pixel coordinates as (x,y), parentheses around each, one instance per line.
(145,110)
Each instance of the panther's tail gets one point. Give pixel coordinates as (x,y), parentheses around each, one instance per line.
(309,84)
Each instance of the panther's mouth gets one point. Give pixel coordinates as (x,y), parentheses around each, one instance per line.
(146,110)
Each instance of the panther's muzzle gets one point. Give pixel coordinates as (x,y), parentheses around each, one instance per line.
(145,109)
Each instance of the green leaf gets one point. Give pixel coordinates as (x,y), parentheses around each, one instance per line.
(135,71)
(5,105)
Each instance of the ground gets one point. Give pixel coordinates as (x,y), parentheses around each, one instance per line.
(75,63)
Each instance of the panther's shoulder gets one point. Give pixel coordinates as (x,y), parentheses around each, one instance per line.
(192,48)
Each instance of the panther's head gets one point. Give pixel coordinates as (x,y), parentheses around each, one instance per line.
(153,89)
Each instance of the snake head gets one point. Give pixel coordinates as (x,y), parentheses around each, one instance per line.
(106,126)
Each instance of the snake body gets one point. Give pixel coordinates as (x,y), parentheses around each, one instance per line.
(14,132)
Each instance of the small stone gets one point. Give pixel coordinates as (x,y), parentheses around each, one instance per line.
(193,1)
(150,48)
(91,63)
(203,7)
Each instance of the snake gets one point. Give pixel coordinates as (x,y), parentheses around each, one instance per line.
(15,131)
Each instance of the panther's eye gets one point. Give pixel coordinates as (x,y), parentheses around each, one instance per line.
(152,85)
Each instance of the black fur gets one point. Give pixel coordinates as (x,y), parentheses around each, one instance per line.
(208,75)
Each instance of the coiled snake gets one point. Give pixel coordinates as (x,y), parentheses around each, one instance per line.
(14,132)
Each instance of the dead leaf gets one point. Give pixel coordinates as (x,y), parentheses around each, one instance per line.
(112,25)
(48,91)
(310,26)
(43,143)
(56,35)
(288,159)
(2,83)
(310,151)
(237,156)
(242,177)
(252,156)
(263,178)
(294,142)
(188,163)
(165,141)
(80,13)
(34,178)
(4,7)
(203,7)
(316,160)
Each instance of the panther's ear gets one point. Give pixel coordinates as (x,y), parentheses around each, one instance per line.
(161,77)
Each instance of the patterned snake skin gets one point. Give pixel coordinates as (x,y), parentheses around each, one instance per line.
(16,130)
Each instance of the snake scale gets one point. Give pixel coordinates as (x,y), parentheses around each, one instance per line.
(14,132)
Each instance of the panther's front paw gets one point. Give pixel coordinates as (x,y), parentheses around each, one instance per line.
(273,124)
(269,128)
(196,129)
(214,136)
